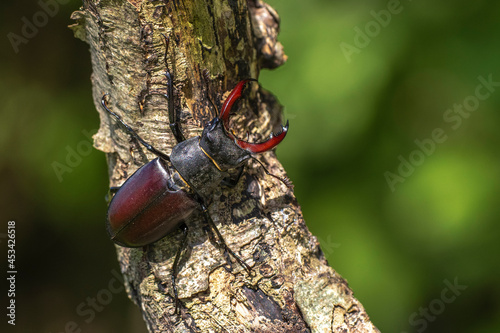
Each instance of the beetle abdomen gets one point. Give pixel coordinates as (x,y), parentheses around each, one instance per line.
(147,207)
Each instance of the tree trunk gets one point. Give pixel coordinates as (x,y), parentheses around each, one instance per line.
(291,288)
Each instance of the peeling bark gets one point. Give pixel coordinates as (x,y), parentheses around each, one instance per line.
(291,288)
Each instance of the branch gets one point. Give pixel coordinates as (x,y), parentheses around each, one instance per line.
(291,287)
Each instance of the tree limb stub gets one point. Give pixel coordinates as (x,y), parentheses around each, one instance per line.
(291,288)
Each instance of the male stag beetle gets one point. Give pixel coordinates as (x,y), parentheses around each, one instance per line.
(160,195)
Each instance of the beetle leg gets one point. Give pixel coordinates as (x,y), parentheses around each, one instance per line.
(221,242)
(132,132)
(184,229)
(173,116)
(232,181)
(285,180)
(112,190)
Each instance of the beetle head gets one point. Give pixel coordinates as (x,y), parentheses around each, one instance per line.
(220,147)
(226,150)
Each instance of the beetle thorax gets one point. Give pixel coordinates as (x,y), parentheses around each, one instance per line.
(203,161)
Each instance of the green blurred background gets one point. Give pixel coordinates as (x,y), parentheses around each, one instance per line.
(360,89)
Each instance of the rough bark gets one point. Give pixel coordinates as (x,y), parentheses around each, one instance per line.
(291,288)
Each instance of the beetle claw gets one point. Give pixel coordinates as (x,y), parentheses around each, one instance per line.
(274,139)
(231,99)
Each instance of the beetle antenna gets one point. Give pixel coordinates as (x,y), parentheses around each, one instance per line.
(167,42)
(173,116)
(132,132)
(184,229)
(284,180)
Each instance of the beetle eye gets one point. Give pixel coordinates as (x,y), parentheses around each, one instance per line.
(212,124)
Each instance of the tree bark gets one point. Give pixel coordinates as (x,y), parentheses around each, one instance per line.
(291,288)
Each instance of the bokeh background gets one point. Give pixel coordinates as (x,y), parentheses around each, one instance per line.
(411,223)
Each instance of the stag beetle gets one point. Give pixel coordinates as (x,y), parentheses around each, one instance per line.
(160,195)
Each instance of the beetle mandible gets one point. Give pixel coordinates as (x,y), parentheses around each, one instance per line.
(160,195)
